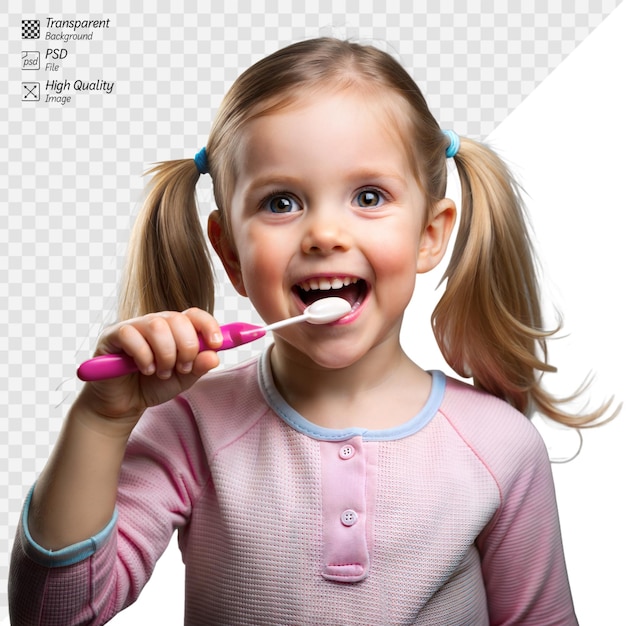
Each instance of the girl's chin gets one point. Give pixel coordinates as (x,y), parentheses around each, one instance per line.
(324,354)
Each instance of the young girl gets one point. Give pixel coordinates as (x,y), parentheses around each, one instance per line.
(332,480)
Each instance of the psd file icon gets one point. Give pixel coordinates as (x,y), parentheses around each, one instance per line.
(31,60)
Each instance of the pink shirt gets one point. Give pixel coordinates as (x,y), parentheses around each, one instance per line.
(447,519)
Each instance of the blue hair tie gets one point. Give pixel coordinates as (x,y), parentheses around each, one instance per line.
(454,145)
(202,162)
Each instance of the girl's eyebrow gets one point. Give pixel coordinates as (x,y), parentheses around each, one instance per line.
(377,175)
(360,176)
(271,180)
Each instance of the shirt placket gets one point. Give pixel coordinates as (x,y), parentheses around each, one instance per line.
(347,500)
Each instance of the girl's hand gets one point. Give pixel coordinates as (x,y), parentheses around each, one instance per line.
(165,349)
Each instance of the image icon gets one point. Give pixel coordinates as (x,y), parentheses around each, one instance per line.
(30,92)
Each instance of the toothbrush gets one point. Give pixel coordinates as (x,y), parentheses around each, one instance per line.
(322,311)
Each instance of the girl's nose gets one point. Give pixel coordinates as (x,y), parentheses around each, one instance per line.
(326,233)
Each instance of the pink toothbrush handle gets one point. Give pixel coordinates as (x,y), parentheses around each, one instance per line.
(115,365)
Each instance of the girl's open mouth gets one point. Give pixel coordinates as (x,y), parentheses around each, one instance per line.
(349,288)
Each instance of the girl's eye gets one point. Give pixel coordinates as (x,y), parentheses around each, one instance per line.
(281,204)
(369,198)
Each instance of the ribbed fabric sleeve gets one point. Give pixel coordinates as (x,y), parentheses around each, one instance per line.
(521,549)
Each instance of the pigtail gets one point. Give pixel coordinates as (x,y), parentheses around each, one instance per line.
(168,266)
(488,323)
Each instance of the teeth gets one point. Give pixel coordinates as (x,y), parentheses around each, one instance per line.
(325,284)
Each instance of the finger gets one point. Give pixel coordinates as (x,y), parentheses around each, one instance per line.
(207,326)
(132,342)
(204,362)
(158,333)
(186,340)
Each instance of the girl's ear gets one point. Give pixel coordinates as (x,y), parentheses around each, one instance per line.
(436,235)
(223,246)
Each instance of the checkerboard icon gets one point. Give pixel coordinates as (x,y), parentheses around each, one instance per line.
(30,29)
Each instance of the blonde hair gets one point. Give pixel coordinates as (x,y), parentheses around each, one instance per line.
(488,322)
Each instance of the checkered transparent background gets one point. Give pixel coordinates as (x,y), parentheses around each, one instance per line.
(70,176)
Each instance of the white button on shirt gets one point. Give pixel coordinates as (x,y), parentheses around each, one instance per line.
(346,452)
(349,517)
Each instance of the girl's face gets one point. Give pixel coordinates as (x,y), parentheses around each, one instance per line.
(326,204)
